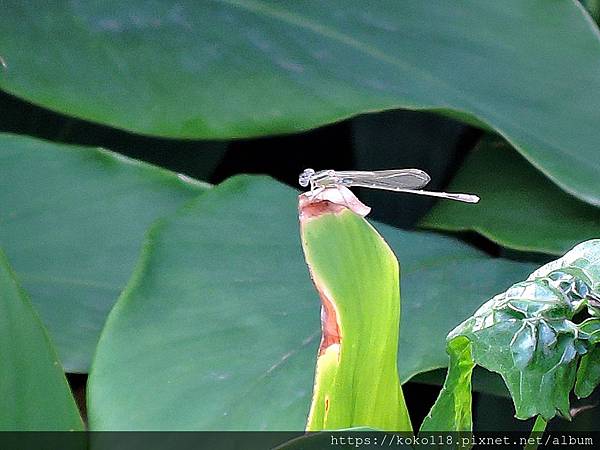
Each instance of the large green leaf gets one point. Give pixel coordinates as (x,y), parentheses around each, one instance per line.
(236,68)
(221,315)
(72,222)
(519,207)
(356,275)
(34,392)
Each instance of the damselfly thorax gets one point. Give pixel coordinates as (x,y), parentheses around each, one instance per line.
(399,180)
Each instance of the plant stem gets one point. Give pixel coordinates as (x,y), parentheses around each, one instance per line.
(538,428)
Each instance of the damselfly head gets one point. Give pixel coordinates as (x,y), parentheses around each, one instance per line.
(304,178)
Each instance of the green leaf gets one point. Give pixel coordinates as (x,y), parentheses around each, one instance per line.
(221,313)
(588,373)
(442,282)
(519,207)
(357,277)
(33,388)
(240,68)
(482,380)
(452,410)
(72,223)
(527,333)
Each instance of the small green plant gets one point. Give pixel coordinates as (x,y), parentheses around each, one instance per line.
(528,334)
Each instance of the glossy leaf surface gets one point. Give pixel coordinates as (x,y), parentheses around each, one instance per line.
(72,223)
(34,392)
(239,68)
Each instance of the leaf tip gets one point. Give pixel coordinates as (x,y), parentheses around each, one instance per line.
(330,200)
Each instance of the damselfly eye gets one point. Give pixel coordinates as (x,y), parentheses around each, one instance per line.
(304,178)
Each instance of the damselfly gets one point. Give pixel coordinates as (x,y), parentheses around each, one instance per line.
(399,180)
